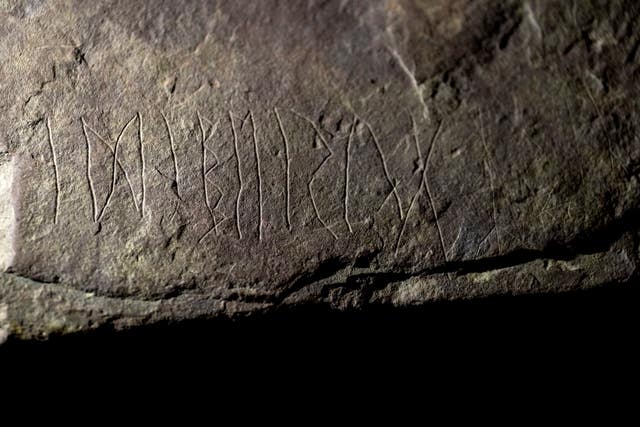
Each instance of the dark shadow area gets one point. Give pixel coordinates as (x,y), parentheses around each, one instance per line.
(603,319)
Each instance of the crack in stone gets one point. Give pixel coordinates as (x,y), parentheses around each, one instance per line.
(339,272)
(597,242)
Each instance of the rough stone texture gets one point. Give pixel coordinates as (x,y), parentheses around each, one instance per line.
(175,160)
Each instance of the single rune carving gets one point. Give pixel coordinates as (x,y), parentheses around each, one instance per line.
(116,165)
(54,160)
(92,190)
(206,170)
(172,146)
(257,154)
(346,175)
(143,166)
(239,169)
(317,169)
(424,186)
(115,170)
(288,167)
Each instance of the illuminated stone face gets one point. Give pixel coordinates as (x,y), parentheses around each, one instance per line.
(201,158)
(7,215)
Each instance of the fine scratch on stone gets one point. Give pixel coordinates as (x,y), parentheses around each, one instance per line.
(491,183)
(389,194)
(387,175)
(484,240)
(240,182)
(612,155)
(55,172)
(456,240)
(288,167)
(221,195)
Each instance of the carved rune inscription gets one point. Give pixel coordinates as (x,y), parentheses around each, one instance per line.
(253,171)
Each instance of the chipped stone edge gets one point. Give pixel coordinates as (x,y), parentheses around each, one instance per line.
(7,213)
(4,323)
(31,310)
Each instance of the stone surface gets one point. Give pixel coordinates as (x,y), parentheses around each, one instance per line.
(191,159)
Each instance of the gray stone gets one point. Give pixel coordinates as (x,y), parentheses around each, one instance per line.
(190,159)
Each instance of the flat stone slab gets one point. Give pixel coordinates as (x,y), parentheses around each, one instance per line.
(192,159)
